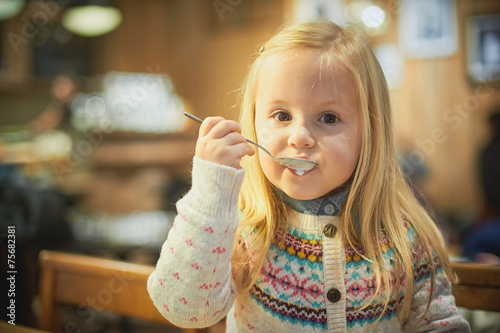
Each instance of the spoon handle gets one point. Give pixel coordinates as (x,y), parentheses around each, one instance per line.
(189,115)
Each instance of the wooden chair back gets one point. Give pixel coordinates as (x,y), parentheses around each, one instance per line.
(88,282)
(120,287)
(479,286)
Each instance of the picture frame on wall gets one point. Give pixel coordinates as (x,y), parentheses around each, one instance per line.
(327,9)
(428,28)
(483,48)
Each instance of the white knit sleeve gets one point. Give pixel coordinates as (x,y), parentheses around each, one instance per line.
(443,314)
(192,285)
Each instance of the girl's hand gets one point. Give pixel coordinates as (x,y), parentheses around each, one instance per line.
(220,141)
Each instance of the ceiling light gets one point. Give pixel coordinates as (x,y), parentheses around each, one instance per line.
(373,16)
(10,8)
(91,21)
(369,16)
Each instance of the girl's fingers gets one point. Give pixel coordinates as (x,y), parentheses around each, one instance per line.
(219,127)
(220,141)
(248,149)
(208,124)
(233,138)
(236,142)
(233,155)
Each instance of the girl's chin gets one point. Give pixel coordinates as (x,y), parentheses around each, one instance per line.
(301,194)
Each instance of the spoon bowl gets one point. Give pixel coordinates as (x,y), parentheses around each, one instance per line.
(298,164)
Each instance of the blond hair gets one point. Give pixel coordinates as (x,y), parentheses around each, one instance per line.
(379,197)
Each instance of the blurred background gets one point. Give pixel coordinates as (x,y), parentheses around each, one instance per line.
(94,150)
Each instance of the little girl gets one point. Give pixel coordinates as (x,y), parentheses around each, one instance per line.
(343,247)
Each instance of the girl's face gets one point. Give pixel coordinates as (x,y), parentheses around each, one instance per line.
(307,109)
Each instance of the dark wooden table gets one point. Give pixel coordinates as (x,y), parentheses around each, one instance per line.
(9,328)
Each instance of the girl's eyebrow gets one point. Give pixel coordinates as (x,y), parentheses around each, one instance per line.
(277,101)
(281,102)
(334,103)
(328,103)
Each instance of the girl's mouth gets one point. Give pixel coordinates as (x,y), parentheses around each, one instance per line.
(301,169)
(300,172)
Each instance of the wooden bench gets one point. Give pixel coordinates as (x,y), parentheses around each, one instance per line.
(98,283)
(479,286)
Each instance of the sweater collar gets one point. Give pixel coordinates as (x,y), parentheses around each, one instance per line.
(329,204)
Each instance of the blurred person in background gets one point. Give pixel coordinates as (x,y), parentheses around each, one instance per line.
(31,204)
(483,243)
(30,201)
(58,113)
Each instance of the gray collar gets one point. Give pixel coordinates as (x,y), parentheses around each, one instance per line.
(329,204)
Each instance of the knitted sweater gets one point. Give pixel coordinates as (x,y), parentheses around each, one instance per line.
(310,282)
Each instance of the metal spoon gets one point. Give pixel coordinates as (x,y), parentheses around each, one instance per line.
(298,164)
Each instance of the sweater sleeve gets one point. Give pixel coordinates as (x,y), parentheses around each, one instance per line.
(192,284)
(443,314)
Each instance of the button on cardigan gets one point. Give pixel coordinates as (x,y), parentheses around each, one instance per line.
(309,282)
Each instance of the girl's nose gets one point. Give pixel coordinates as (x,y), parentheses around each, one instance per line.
(300,137)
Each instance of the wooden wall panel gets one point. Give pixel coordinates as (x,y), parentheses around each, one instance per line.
(432,88)
(207,57)
(205,53)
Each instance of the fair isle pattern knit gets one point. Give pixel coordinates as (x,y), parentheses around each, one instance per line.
(291,284)
(308,283)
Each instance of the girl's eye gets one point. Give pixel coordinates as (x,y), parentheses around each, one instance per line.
(282,116)
(329,118)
